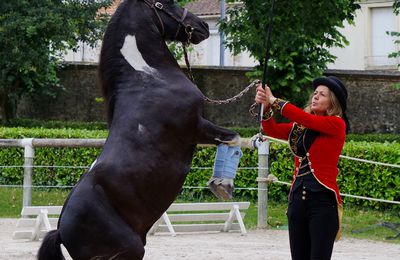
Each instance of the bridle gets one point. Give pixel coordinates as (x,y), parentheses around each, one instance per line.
(157,6)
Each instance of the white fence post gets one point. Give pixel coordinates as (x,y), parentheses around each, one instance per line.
(29,154)
(263,153)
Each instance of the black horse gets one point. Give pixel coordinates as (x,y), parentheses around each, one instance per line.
(155,121)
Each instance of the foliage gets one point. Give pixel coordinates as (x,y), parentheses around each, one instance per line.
(370,180)
(183,2)
(356,178)
(302,33)
(23,124)
(35,123)
(33,37)
(396,10)
(380,138)
(40,132)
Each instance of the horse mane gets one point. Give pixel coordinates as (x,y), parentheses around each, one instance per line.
(109,65)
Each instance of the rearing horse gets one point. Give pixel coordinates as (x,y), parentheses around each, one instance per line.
(155,121)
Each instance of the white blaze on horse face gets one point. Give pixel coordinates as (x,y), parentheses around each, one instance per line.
(133,56)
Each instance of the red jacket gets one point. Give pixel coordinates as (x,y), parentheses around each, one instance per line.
(324,152)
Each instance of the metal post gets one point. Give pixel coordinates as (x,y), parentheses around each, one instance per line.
(29,154)
(263,153)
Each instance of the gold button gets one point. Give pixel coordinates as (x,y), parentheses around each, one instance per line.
(309,163)
(300,159)
(304,192)
(308,154)
(303,197)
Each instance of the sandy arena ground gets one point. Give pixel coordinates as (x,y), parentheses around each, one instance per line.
(256,245)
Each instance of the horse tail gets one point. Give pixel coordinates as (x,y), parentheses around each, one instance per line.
(50,248)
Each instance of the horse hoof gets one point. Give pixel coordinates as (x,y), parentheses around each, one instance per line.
(221,188)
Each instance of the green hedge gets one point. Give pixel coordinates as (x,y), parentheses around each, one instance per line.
(34,123)
(250,131)
(356,178)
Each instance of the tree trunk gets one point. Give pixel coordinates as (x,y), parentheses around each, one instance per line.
(2,106)
(10,109)
(8,104)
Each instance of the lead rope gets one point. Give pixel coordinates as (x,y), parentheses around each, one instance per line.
(189,68)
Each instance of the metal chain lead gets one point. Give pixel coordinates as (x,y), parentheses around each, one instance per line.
(229,100)
(220,101)
(234,98)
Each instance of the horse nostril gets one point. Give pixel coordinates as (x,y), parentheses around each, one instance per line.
(189,29)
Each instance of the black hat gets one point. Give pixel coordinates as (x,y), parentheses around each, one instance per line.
(338,88)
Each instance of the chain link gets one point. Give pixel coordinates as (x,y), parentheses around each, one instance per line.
(234,98)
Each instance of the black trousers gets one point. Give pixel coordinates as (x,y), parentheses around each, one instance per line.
(313,224)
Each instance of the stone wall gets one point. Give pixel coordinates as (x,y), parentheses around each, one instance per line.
(374,101)
(76,102)
(373,104)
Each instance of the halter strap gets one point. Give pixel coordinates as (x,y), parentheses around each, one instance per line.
(181,22)
(157,5)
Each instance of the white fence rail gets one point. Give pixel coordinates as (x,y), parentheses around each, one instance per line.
(29,145)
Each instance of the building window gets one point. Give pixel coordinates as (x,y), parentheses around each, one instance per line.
(382,20)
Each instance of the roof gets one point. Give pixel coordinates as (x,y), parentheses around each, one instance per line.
(111,10)
(197,7)
(204,7)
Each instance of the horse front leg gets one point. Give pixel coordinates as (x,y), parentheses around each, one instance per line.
(221,182)
(208,133)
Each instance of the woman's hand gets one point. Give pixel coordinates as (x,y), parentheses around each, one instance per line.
(271,98)
(261,96)
(264,96)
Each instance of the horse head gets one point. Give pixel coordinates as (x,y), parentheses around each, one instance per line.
(178,24)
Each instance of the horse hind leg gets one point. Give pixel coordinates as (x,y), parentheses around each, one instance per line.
(123,254)
(133,250)
(120,243)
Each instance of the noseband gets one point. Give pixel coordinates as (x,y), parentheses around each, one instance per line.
(157,6)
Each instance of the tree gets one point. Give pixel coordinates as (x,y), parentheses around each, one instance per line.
(303,32)
(34,35)
(396,10)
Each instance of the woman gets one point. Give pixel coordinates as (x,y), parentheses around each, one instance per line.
(316,137)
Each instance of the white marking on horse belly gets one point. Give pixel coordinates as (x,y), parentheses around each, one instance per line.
(133,56)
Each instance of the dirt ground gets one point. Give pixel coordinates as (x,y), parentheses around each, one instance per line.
(258,244)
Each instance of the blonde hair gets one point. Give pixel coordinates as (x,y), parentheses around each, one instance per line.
(334,110)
